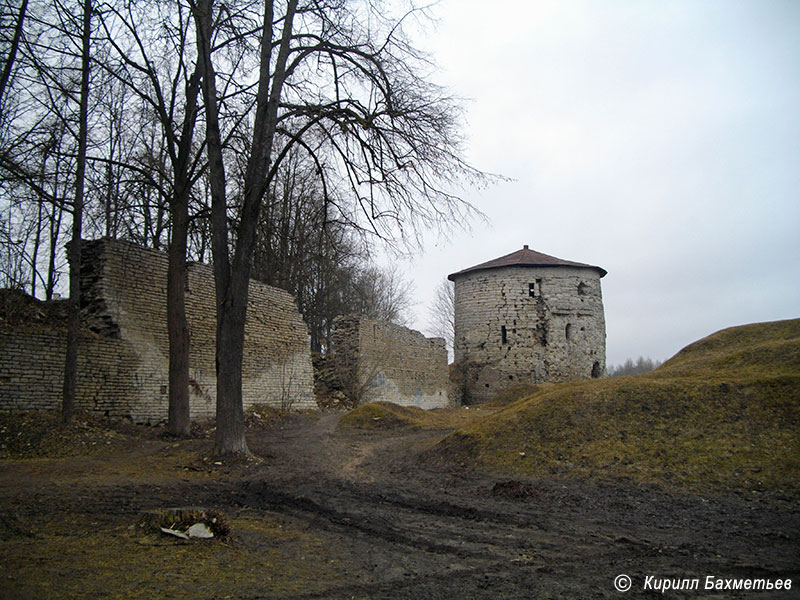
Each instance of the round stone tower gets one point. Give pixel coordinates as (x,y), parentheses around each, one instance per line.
(527,318)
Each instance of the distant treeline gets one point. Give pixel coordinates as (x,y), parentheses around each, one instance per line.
(631,367)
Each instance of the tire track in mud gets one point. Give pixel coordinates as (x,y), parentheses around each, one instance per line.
(447,549)
(456,542)
(405,531)
(417,523)
(412,522)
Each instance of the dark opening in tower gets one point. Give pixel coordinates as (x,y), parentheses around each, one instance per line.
(596,370)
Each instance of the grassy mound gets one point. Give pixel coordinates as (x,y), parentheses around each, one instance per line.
(386,416)
(723,412)
(748,353)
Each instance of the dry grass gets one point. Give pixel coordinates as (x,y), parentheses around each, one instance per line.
(724,412)
(33,434)
(388,416)
(74,558)
(383,416)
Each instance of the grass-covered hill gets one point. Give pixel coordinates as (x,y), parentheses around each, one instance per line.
(723,412)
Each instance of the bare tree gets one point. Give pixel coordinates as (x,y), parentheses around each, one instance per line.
(40,136)
(382,294)
(74,250)
(13,47)
(331,86)
(33,203)
(162,76)
(442,314)
(300,250)
(323,263)
(340,80)
(629,367)
(232,276)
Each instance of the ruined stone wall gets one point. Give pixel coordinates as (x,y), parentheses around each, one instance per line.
(124,306)
(381,361)
(32,371)
(518,325)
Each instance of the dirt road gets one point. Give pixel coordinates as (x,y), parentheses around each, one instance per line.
(332,514)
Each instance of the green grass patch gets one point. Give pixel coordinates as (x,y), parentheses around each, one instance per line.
(723,413)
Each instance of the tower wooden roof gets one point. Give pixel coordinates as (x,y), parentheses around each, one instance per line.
(526,258)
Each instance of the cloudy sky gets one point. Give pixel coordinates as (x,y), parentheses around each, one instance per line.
(658,140)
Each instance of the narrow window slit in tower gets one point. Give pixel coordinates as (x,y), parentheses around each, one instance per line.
(503,334)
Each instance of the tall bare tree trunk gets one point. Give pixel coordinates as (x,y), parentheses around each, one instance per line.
(230,438)
(178,419)
(74,249)
(232,278)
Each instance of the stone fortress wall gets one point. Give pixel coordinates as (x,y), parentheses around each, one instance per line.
(381,361)
(123,368)
(522,318)
(527,324)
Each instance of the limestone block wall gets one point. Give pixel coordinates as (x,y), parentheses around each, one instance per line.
(528,325)
(124,307)
(381,361)
(32,371)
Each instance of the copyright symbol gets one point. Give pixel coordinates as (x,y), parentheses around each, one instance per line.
(622,583)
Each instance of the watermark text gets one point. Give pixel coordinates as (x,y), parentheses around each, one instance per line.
(623,583)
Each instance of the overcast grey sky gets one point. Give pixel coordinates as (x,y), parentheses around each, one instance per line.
(659,140)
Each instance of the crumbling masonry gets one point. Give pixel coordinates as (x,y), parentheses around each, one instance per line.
(527,318)
(123,368)
(522,318)
(381,361)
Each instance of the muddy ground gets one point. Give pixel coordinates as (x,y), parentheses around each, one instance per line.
(333,514)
